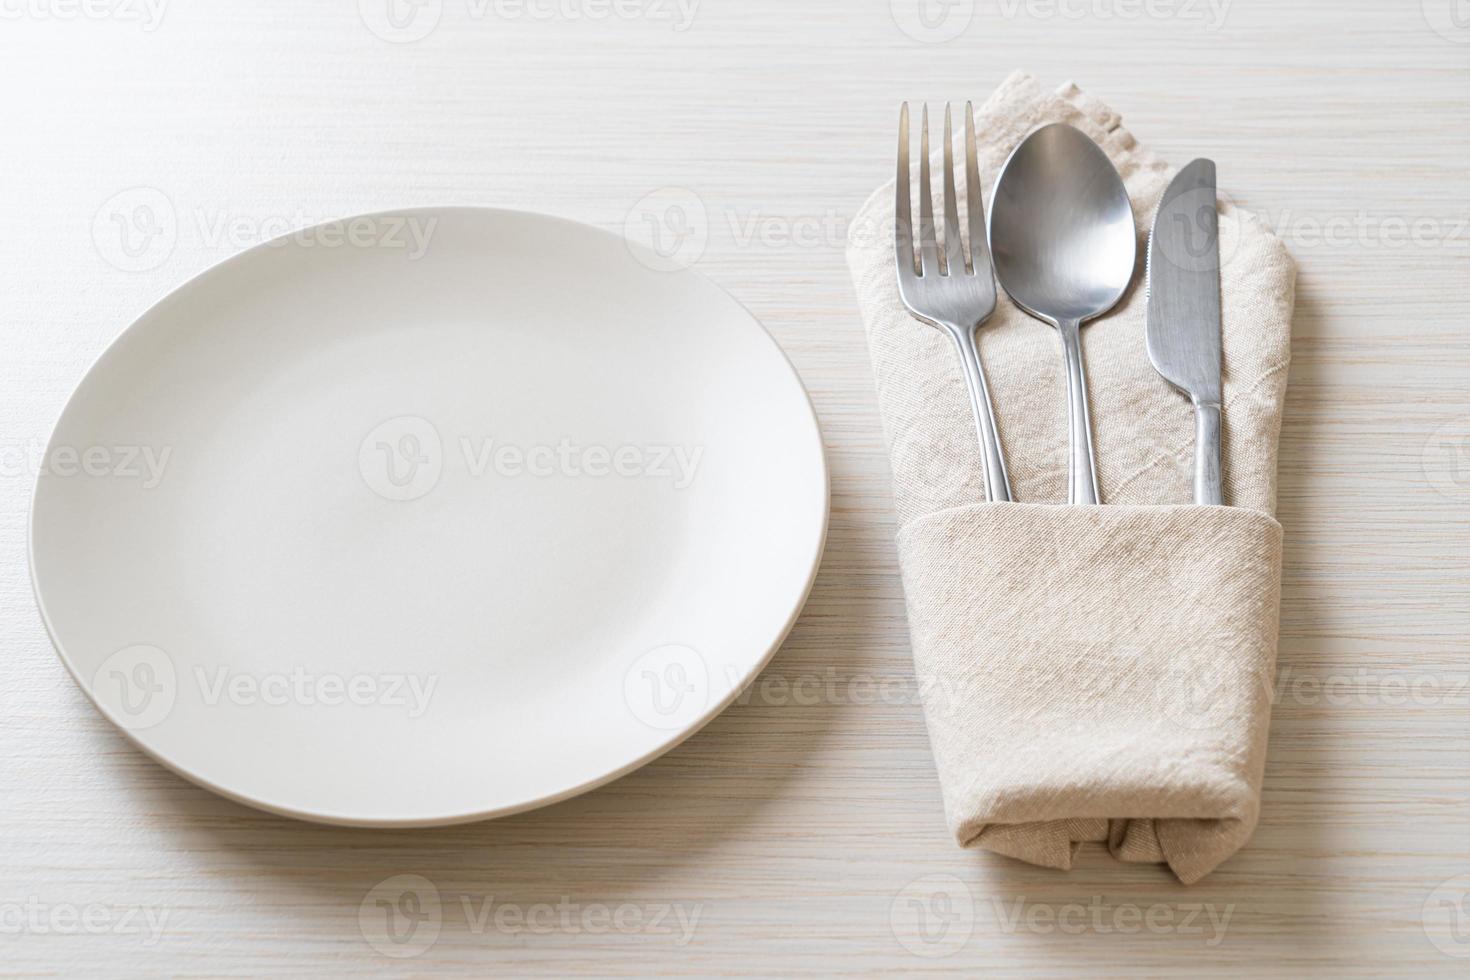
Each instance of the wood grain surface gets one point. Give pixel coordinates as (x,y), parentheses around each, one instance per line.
(801,833)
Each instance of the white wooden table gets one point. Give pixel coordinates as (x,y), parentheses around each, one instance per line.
(796,833)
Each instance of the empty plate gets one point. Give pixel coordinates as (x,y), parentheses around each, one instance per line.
(426,517)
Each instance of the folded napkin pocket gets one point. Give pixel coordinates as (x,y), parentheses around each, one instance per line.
(1099,673)
(1096,674)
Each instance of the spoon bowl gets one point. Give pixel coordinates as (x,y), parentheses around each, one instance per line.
(1064,246)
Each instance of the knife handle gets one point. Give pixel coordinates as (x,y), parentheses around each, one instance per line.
(1208,487)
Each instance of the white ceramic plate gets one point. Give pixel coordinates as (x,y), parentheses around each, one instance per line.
(427,517)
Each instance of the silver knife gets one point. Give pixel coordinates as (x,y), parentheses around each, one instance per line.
(1182,323)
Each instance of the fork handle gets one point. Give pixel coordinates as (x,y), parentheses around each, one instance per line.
(997,482)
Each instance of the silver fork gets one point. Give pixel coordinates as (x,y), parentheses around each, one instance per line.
(940,287)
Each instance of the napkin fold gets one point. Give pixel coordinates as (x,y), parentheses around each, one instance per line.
(1090,673)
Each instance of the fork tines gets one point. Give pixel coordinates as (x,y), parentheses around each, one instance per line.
(955,258)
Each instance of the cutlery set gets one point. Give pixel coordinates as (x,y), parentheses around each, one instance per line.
(1060,240)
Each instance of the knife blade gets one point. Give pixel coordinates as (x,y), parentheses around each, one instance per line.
(1182,321)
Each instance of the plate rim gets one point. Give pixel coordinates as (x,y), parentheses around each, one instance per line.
(403,822)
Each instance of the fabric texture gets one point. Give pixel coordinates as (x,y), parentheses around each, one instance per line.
(1091,673)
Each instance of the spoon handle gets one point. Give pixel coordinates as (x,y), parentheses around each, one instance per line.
(1081,469)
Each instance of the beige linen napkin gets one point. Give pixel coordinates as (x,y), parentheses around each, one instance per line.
(1090,673)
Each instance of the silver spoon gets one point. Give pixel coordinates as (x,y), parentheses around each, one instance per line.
(1063,242)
